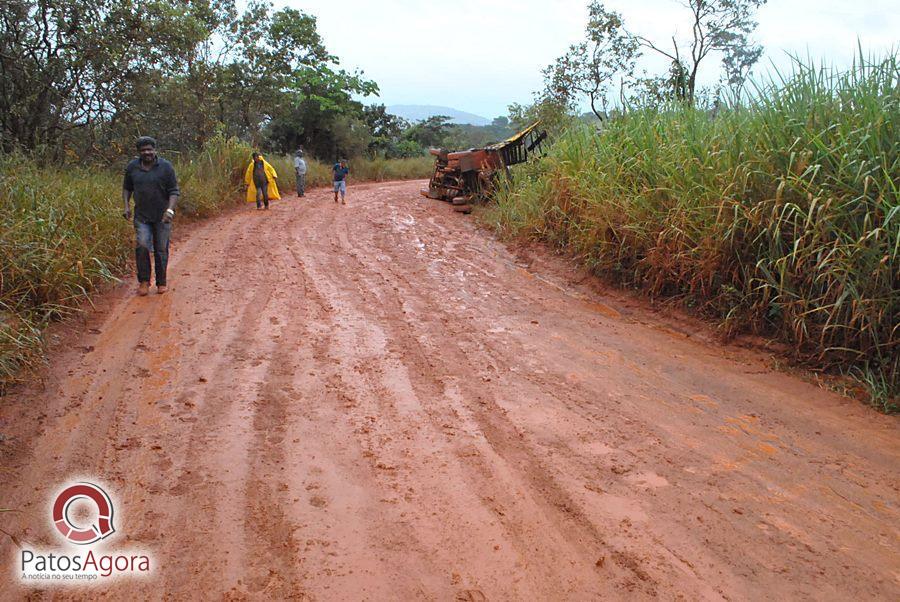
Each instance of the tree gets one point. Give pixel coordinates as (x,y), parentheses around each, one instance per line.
(429,132)
(591,66)
(273,53)
(408,148)
(553,116)
(293,91)
(79,76)
(309,112)
(722,26)
(387,130)
(181,100)
(67,65)
(738,61)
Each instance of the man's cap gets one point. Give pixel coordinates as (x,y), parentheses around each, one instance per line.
(145,141)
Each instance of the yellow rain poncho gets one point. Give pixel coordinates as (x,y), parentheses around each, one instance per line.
(271,176)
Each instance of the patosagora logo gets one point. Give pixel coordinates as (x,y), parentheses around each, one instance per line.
(82,514)
(92,533)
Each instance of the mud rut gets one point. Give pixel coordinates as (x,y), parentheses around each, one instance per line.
(379,401)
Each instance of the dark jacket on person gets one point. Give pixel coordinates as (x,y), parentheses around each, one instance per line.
(151,188)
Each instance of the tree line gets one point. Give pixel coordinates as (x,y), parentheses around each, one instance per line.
(80,79)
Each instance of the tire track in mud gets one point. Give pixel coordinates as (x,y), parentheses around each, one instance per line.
(332,470)
(344,356)
(269,529)
(210,474)
(627,547)
(197,478)
(233,410)
(475,409)
(381,302)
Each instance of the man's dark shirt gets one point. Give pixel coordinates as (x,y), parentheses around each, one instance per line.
(259,174)
(340,172)
(151,189)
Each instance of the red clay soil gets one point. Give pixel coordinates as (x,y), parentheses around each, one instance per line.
(377,402)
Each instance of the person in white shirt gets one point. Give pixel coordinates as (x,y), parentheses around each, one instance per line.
(300,170)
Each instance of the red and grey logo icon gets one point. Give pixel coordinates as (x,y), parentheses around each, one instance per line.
(80,534)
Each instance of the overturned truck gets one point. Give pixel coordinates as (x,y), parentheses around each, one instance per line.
(467,177)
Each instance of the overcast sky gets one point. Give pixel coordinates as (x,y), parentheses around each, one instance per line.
(481,55)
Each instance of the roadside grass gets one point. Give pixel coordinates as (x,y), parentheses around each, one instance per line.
(379,169)
(361,170)
(780,217)
(62,234)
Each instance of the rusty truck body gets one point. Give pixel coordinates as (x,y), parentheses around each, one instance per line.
(467,177)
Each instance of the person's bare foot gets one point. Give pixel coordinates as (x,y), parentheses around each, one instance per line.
(343,202)
(160,289)
(143,289)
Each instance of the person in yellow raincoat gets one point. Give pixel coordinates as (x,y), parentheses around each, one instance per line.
(260,179)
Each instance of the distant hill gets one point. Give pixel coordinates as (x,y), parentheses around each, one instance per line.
(420,112)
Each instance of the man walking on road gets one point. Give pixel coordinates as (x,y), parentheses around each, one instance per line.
(340,180)
(300,171)
(260,179)
(152,183)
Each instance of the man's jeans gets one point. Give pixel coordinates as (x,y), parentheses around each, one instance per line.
(301,184)
(152,237)
(262,193)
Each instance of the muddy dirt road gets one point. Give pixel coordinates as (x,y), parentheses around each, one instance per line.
(380,402)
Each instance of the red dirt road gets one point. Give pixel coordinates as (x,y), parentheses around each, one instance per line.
(378,401)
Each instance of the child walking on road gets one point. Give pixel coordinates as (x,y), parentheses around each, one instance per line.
(341,172)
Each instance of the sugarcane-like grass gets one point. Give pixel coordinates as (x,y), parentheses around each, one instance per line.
(778,216)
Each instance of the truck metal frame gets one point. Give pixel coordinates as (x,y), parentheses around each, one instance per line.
(467,177)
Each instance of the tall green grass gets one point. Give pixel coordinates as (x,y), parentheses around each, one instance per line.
(778,217)
(62,234)
(380,169)
(211,179)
